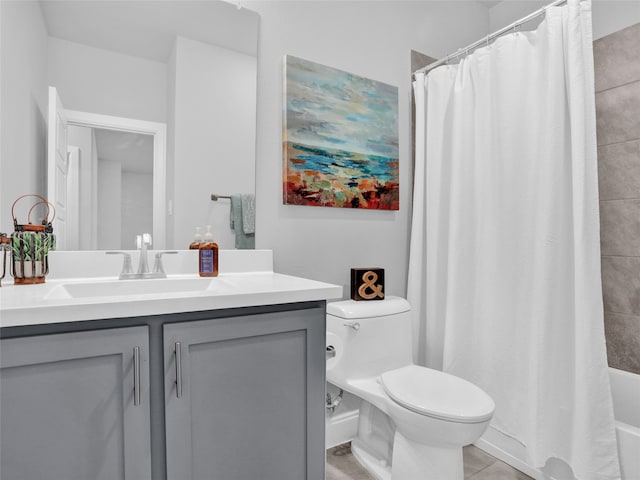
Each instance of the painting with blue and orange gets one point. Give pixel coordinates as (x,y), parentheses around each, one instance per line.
(340,139)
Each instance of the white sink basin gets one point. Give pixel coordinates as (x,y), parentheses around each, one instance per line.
(125,288)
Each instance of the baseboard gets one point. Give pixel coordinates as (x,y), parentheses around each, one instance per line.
(510,459)
(377,470)
(554,469)
(341,428)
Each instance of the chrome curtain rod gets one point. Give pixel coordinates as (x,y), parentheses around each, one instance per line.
(488,38)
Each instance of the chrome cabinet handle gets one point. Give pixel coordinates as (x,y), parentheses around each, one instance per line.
(136,376)
(178,354)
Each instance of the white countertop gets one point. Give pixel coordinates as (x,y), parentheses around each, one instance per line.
(50,302)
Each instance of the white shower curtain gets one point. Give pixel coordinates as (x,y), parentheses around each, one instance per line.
(504,274)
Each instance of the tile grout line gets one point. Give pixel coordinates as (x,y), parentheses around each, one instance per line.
(618,143)
(620,313)
(619,199)
(481,470)
(631,140)
(618,86)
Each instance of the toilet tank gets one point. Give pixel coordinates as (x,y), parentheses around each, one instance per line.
(369,338)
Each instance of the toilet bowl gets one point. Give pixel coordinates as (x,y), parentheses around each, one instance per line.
(413,420)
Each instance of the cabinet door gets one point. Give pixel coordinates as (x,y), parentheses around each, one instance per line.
(245,397)
(75,406)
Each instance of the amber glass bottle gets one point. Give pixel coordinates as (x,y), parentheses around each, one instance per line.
(208,256)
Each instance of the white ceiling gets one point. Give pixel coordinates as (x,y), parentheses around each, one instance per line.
(147,28)
(134,151)
(489,3)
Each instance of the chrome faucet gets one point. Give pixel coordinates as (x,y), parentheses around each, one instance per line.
(143,241)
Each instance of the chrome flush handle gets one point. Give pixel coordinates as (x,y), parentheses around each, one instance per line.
(331,351)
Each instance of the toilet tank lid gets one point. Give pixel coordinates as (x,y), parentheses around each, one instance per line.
(368,308)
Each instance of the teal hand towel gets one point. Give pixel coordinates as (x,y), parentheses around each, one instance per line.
(243,240)
(248,213)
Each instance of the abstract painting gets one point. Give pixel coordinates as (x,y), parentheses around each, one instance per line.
(340,139)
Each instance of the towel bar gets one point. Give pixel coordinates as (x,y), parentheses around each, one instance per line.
(215,197)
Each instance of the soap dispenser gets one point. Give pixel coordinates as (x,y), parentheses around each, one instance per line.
(197,240)
(208,255)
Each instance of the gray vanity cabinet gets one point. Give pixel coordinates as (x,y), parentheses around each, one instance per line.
(244,397)
(75,406)
(234,394)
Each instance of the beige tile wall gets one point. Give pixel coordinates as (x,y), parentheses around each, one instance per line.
(617,78)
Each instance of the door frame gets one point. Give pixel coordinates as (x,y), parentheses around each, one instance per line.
(73,198)
(159,133)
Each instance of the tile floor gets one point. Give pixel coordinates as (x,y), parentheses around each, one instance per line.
(478,465)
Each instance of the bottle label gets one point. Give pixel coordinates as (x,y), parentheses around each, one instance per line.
(206,261)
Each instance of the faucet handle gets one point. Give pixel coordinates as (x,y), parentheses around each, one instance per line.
(127,268)
(158,269)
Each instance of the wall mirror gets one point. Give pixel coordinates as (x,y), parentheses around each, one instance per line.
(188,65)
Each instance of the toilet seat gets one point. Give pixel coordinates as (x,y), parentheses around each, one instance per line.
(437,394)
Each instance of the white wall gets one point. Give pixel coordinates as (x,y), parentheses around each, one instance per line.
(134,200)
(84,139)
(136,207)
(608,15)
(171,125)
(109,199)
(100,81)
(374,40)
(23,100)
(214,145)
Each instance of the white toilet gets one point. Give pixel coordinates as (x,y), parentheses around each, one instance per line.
(413,420)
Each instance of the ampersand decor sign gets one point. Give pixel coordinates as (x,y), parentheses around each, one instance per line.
(367,283)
